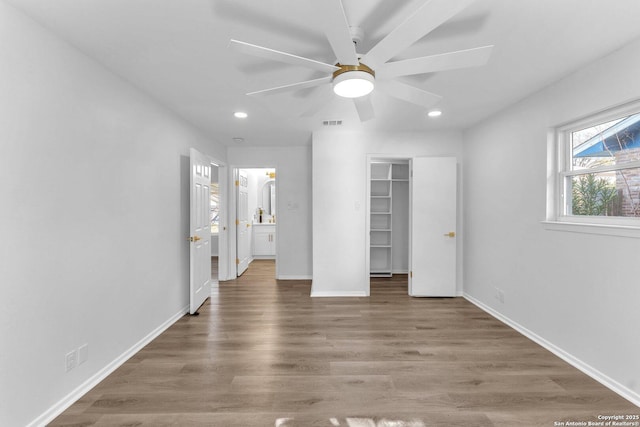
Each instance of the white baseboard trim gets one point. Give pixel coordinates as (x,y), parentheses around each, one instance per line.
(94,380)
(602,378)
(294,277)
(337,294)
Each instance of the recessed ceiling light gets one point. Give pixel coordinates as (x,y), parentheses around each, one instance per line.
(434,113)
(240,115)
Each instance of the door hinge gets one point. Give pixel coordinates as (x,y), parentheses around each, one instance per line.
(237,261)
(411,274)
(237,182)
(237,222)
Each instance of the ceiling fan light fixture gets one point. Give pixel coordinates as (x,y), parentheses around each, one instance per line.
(240,115)
(434,113)
(353,81)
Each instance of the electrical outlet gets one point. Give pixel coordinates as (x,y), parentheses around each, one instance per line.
(83,354)
(71,360)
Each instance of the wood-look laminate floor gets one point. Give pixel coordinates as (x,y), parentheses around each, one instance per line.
(214,270)
(263,353)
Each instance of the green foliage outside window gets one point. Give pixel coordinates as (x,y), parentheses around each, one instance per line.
(593,196)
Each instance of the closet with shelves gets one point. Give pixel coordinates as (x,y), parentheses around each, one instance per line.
(389,217)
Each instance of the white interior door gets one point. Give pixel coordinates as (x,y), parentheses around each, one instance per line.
(223,226)
(433,227)
(200,230)
(242,222)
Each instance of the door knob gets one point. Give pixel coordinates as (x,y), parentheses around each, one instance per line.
(194,239)
(450,234)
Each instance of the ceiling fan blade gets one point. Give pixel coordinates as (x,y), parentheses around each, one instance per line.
(429,64)
(293,86)
(336,28)
(276,55)
(409,93)
(428,17)
(364,108)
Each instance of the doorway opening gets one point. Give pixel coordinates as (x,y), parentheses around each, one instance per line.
(256,216)
(389,223)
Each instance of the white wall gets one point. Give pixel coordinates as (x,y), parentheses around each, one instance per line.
(339,200)
(579,292)
(93,217)
(293,221)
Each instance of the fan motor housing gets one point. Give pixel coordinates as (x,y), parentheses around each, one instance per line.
(347,68)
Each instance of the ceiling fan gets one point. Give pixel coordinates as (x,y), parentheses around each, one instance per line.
(355,75)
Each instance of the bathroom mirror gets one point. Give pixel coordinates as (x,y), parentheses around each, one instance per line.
(268,196)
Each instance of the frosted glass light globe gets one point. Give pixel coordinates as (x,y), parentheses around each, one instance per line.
(353,84)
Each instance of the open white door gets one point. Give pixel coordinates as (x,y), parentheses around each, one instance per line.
(242,222)
(200,230)
(223,226)
(433,224)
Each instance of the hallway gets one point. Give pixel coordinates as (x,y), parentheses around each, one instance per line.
(261,350)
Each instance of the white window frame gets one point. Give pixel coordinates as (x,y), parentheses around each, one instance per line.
(559,173)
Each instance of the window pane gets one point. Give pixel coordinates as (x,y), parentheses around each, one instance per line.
(614,193)
(612,143)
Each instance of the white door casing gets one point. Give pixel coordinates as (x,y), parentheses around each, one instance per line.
(243,245)
(200,230)
(432,258)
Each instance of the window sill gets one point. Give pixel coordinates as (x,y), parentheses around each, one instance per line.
(586,228)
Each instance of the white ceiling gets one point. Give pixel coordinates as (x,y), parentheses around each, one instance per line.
(177,51)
